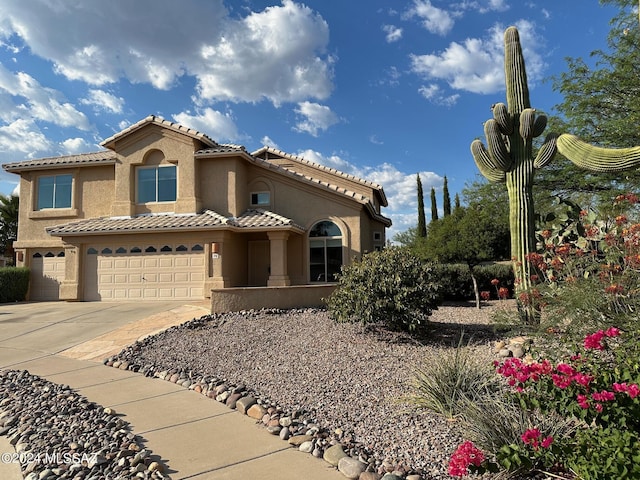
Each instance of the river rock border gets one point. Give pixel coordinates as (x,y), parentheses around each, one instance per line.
(298,427)
(58,433)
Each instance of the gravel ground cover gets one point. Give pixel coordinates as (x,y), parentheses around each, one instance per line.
(338,382)
(59,434)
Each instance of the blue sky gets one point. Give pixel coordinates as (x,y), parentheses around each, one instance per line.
(382,89)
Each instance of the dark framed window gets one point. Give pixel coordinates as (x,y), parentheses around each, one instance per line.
(325,252)
(157,184)
(54,191)
(260,198)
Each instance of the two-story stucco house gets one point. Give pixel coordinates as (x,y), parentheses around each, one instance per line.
(165,212)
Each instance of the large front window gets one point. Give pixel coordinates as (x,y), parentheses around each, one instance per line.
(325,252)
(157,184)
(54,191)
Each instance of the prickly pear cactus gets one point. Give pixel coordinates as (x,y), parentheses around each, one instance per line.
(509,158)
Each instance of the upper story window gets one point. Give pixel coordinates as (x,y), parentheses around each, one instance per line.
(54,191)
(260,198)
(156,184)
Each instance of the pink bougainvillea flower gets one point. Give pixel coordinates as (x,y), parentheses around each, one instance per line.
(594,341)
(466,454)
(546,443)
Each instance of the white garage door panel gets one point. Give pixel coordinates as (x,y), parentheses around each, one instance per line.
(47,273)
(143,275)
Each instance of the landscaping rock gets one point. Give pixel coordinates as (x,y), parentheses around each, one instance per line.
(243,404)
(351,467)
(333,454)
(256,411)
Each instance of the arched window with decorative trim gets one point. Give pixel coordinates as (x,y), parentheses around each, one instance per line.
(325,251)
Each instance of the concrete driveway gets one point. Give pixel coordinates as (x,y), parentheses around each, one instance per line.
(34,330)
(194,437)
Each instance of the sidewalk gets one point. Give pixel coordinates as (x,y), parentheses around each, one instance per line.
(196,437)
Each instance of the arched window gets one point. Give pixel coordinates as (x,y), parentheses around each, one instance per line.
(325,252)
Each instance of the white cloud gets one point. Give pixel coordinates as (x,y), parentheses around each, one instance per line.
(39,103)
(217,125)
(477,64)
(434,19)
(102,100)
(71,146)
(435,95)
(393,33)
(375,140)
(316,117)
(24,137)
(267,141)
(16,190)
(278,54)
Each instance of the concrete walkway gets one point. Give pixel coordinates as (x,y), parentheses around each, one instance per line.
(195,437)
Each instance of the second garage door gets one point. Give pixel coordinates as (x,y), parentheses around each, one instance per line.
(145,272)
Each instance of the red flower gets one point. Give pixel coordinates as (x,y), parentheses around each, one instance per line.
(503,293)
(495,282)
(466,454)
(583,401)
(546,443)
(485,295)
(594,341)
(546,233)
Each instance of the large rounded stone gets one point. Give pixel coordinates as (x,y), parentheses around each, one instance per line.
(256,411)
(243,404)
(333,454)
(351,467)
(298,440)
(369,476)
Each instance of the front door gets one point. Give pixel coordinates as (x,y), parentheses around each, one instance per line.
(259,263)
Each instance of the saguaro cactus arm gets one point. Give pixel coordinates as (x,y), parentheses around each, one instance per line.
(598,159)
(485,164)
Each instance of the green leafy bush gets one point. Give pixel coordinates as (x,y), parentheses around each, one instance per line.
(455,279)
(456,282)
(391,287)
(14,283)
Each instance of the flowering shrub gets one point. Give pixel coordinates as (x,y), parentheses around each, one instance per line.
(586,272)
(465,456)
(599,388)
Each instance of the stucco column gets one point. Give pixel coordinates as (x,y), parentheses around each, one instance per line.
(221,262)
(278,244)
(70,287)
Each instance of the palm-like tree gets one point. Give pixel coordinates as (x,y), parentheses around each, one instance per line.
(8,221)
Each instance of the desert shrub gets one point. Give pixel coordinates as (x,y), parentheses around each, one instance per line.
(14,283)
(457,284)
(455,279)
(391,287)
(588,271)
(447,384)
(485,274)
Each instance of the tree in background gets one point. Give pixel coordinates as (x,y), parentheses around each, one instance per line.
(422,220)
(8,222)
(601,105)
(434,205)
(469,235)
(456,202)
(446,198)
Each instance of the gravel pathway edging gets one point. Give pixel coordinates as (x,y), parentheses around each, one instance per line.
(329,390)
(59,434)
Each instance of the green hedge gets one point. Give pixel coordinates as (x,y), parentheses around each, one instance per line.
(456,280)
(14,283)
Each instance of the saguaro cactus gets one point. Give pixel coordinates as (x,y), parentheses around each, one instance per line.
(508,157)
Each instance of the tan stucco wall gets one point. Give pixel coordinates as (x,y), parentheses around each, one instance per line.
(223,183)
(236,299)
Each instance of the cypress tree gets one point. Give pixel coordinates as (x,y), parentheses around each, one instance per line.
(422,220)
(446,205)
(434,206)
(456,203)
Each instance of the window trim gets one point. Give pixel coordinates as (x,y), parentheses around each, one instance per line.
(60,212)
(325,239)
(156,168)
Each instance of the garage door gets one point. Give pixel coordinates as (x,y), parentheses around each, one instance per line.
(47,273)
(145,272)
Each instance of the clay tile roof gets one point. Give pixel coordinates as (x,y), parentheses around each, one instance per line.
(258,218)
(222,148)
(208,219)
(106,157)
(108,143)
(142,223)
